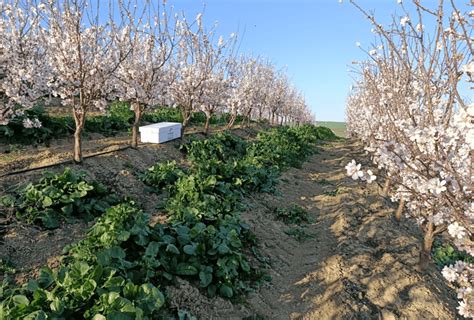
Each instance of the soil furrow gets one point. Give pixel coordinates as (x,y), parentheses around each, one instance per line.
(357,262)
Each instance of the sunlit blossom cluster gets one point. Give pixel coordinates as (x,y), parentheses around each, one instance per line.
(354,171)
(462,275)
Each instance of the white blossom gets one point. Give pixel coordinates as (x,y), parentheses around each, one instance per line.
(449,273)
(404,21)
(353,170)
(456,230)
(370,176)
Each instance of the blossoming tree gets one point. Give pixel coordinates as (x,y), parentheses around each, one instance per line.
(22,68)
(197,68)
(408,109)
(143,48)
(79,52)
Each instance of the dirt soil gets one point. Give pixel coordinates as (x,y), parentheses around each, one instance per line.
(352,261)
(356,261)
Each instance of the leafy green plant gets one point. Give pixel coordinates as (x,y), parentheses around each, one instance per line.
(298,233)
(80,291)
(445,254)
(17,133)
(281,147)
(324,133)
(63,196)
(220,147)
(293,215)
(6,267)
(333,193)
(95,281)
(162,175)
(121,110)
(163,114)
(105,124)
(201,197)
(212,254)
(118,119)
(254,177)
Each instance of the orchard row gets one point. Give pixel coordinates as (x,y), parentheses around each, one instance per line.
(410,106)
(121,268)
(88,54)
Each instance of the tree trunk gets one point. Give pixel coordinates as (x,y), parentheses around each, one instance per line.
(246,119)
(186,118)
(186,114)
(78,145)
(136,123)
(230,124)
(79,119)
(398,213)
(386,187)
(425,251)
(206,125)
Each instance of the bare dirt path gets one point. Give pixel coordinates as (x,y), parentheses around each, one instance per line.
(355,261)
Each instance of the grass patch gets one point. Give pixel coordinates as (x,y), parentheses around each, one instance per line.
(292,215)
(298,233)
(339,128)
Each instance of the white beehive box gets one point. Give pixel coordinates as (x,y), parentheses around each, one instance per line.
(160,132)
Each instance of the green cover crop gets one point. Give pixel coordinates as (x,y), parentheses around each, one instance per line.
(119,269)
(63,196)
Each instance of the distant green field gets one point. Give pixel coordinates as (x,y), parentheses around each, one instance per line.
(339,128)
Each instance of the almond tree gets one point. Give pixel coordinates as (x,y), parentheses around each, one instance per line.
(419,129)
(279,97)
(196,61)
(258,90)
(80,59)
(147,43)
(217,87)
(22,68)
(247,88)
(296,110)
(214,95)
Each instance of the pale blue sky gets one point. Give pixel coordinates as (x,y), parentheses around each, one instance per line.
(314,39)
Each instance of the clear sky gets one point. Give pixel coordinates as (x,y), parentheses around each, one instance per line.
(314,39)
